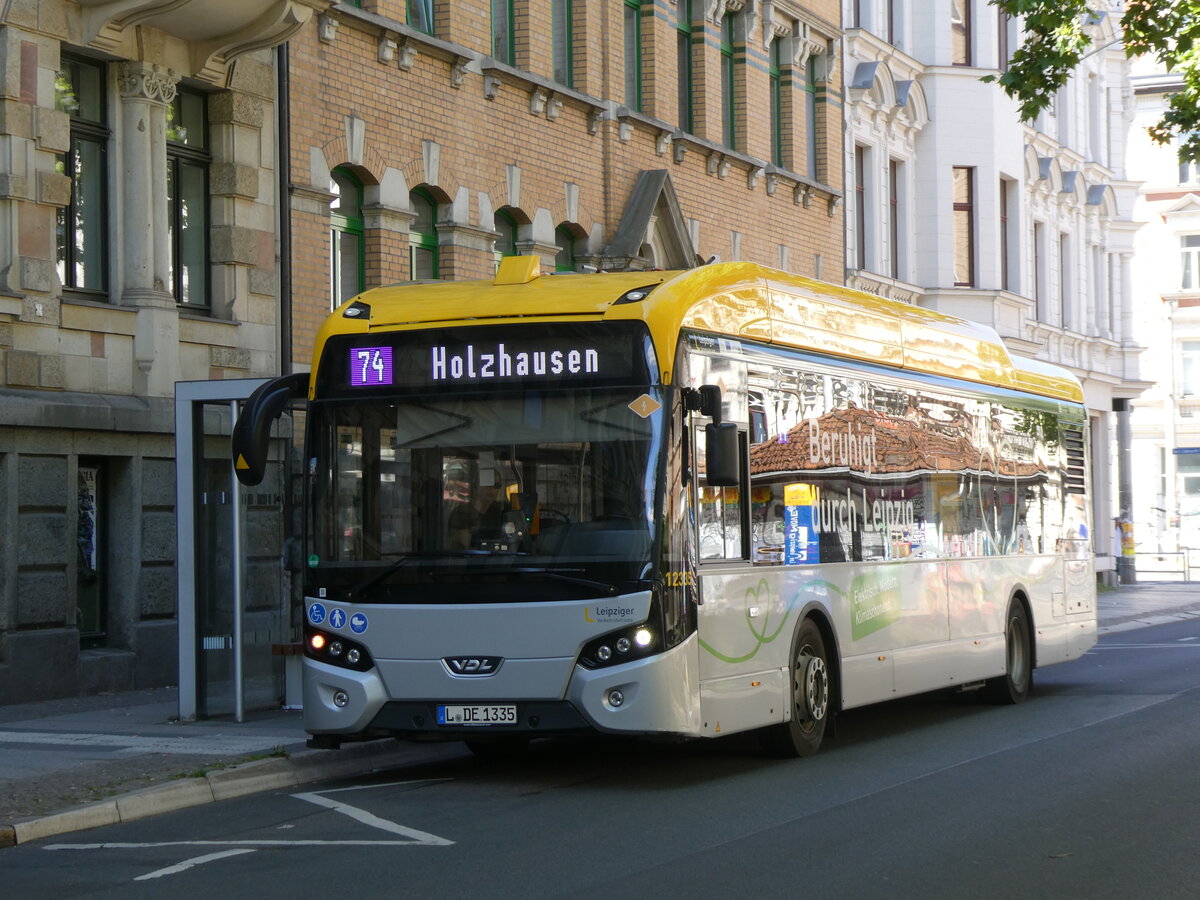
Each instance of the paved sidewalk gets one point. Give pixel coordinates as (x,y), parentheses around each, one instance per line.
(1143,605)
(67,765)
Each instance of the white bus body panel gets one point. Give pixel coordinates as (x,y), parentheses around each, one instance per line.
(900,627)
(661,694)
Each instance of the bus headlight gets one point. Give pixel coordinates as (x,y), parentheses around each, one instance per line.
(630,643)
(336,650)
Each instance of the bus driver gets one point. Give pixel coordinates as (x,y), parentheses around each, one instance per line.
(481,516)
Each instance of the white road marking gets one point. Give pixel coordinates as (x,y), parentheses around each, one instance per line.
(1144,647)
(372,820)
(119,845)
(189,863)
(414,837)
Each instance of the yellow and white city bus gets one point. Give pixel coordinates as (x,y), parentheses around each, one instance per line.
(686,504)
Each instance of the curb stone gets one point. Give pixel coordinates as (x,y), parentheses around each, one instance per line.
(222,784)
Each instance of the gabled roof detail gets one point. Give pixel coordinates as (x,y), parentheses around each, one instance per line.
(652,199)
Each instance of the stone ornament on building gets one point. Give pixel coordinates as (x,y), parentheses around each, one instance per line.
(327,27)
(718,8)
(146,81)
(806,47)
(385,47)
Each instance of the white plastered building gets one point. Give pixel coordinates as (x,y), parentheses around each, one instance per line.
(1166,420)
(954,204)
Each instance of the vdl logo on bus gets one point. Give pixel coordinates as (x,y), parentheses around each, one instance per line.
(472,665)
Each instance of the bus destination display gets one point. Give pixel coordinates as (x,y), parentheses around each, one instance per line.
(461,358)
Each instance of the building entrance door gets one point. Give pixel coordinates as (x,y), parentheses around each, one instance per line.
(235,603)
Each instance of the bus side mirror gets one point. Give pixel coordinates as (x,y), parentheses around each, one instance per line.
(721,456)
(252,430)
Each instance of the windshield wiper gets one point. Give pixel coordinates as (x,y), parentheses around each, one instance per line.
(604,586)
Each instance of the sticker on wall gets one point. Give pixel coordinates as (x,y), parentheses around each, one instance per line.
(316,613)
(313,559)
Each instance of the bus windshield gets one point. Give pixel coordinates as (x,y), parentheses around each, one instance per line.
(539,494)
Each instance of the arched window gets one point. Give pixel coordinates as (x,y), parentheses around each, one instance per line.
(564,259)
(506,235)
(346,259)
(422,237)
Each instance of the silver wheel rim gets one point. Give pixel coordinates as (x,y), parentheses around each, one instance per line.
(813,696)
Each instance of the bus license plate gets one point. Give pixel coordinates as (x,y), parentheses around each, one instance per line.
(505,714)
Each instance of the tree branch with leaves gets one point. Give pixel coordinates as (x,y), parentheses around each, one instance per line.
(1056,41)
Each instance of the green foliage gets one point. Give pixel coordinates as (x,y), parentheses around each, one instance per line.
(1056,41)
(1039,425)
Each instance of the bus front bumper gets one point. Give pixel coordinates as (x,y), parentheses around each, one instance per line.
(655,695)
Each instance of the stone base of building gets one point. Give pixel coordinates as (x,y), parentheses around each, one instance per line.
(48,664)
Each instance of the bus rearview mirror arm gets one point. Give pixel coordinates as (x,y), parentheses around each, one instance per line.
(252,430)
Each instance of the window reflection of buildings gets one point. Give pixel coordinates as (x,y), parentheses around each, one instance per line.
(973,484)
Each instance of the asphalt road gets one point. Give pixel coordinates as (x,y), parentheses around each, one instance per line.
(1090,789)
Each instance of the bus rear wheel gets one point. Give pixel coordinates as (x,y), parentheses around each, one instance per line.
(810,698)
(1017,681)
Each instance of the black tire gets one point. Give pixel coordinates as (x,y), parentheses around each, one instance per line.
(1016,683)
(811,697)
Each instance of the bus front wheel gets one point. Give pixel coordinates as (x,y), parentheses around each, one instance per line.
(1014,685)
(810,698)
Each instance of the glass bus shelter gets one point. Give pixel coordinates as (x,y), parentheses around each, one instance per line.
(237,622)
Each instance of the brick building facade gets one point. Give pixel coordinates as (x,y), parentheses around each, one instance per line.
(561,129)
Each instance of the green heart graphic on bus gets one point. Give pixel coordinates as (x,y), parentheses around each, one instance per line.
(874,603)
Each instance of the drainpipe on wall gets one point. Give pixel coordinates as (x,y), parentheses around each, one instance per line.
(283,167)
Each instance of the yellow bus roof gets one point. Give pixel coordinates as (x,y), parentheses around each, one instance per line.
(737,299)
